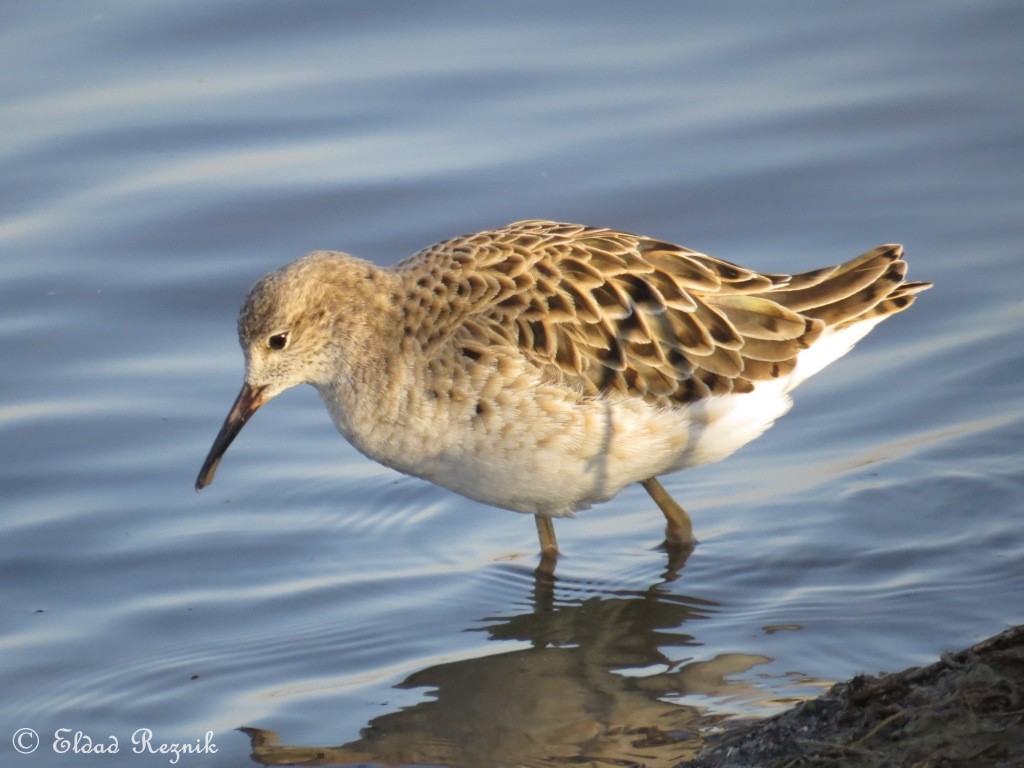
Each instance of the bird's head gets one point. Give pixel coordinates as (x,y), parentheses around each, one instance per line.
(297,326)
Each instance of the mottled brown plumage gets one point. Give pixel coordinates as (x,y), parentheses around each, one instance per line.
(605,311)
(542,367)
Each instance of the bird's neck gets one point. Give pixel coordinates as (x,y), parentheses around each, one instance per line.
(364,396)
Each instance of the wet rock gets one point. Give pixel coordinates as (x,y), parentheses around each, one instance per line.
(967,709)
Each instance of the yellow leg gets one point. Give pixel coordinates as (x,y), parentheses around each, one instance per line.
(548,545)
(680,528)
(546,532)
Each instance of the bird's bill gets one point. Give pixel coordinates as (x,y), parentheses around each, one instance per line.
(246,404)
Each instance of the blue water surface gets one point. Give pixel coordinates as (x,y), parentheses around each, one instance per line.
(157,158)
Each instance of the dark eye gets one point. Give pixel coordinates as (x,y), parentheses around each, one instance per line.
(278,341)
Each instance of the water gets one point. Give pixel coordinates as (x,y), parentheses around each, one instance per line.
(157,158)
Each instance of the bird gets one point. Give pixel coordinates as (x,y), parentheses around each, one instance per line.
(543,367)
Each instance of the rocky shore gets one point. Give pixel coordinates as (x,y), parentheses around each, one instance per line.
(967,709)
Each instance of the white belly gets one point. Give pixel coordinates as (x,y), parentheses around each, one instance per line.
(539,448)
(593,452)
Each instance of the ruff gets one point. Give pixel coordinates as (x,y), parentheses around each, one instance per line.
(543,367)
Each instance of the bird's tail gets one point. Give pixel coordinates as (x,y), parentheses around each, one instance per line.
(867,288)
(844,303)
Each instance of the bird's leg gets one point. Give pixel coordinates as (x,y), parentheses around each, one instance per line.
(679,530)
(548,544)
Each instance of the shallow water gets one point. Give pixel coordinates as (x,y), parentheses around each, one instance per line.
(158,158)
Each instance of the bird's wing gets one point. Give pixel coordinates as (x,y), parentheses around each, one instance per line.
(606,311)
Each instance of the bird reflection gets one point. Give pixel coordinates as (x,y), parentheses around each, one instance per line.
(594,687)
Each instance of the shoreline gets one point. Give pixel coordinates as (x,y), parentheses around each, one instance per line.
(965,709)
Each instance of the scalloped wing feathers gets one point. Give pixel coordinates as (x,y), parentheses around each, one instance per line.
(606,311)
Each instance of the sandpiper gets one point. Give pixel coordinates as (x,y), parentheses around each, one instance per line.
(543,367)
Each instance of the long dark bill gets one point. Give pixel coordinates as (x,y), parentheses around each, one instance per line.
(246,404)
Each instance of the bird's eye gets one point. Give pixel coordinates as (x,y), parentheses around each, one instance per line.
(278,341)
